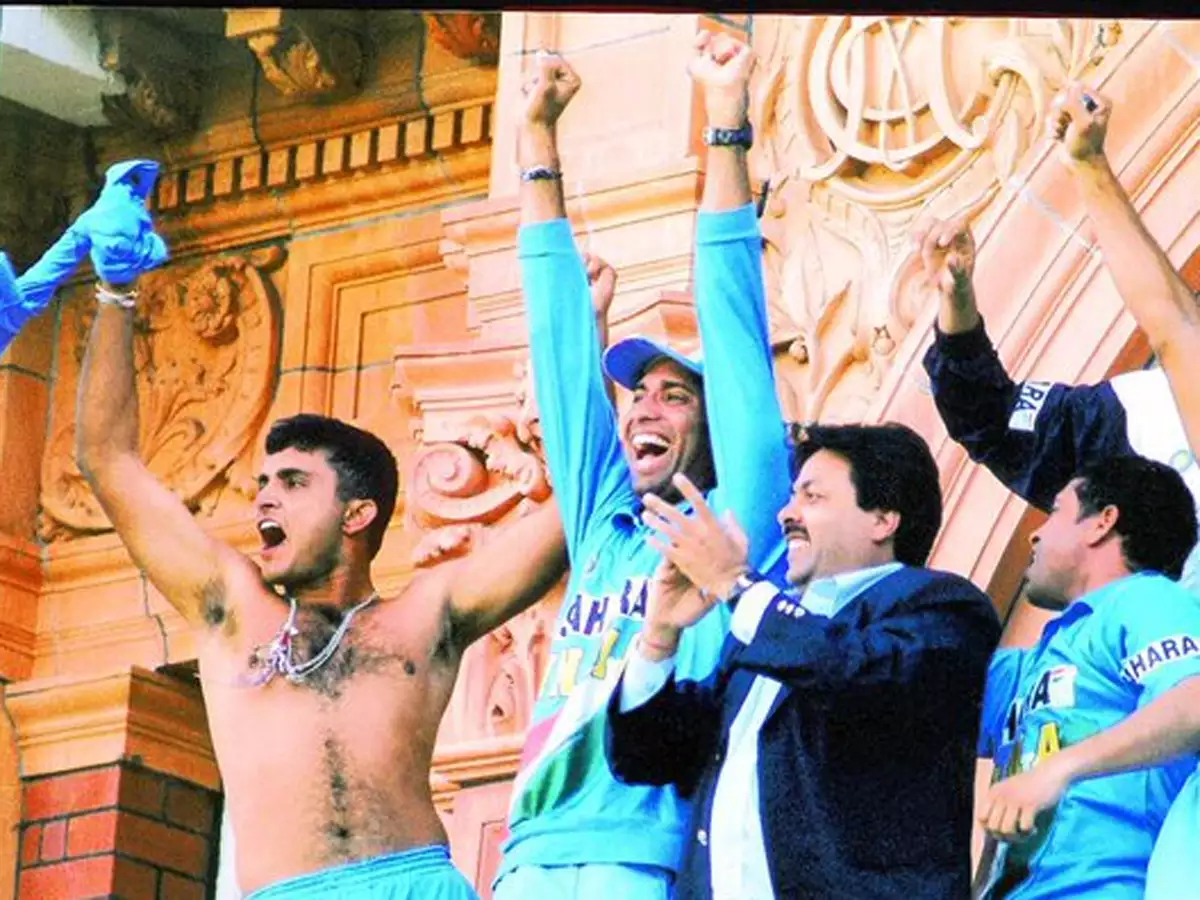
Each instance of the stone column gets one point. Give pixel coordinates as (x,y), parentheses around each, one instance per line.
(120,790)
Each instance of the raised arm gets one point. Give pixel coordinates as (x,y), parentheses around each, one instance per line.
(191,569)
(495,584)
(577,417)
(506,576)
(1033,436)
(745,422)
(1157,297)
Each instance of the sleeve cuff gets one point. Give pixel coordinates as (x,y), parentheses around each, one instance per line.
(964,344)
(750,610)
(643,679)
(541,238)
(728,225)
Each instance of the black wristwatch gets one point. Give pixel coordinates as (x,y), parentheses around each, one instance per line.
(746,580)
(730,137)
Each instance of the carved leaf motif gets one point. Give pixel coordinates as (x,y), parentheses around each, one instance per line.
(206,355)
(161,74)
(468,35)
(313,60)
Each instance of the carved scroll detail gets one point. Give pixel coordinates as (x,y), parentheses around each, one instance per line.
(302,53)
(460,485)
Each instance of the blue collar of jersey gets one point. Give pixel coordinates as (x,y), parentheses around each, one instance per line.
(1087,604)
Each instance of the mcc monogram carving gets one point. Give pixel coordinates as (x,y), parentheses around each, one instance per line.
(868,124)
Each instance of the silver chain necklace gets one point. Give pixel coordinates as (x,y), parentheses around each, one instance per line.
(275,658)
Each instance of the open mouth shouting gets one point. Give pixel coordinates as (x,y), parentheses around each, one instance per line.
(272,535)
(651,453)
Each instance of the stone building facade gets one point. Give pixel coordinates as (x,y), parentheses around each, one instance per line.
(339,193)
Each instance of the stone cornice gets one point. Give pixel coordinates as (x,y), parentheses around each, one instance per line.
(263,193)
(63,725)
(163,79)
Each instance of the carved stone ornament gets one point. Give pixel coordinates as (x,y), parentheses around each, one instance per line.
(459,486)
(302,53)
(206,350)
(515,657)
(162,93)
(867,124)
(473,36)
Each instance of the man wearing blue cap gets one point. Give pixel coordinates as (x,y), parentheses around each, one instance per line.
(575,831)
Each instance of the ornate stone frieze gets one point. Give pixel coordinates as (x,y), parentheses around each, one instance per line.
(302,53)
(162,78)
(206,350)
(868,124)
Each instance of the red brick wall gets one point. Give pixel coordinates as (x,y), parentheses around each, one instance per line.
(117,831)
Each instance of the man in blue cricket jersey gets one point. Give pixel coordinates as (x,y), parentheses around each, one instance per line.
(1102,709)
(575,831)
(1035,435)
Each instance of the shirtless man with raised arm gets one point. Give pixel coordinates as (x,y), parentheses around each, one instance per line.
(325,733)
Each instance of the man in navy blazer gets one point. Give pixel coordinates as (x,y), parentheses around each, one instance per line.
(832,752)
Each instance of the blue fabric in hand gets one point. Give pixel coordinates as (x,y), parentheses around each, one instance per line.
(118,225)
(116,229)
(126,237)
(12,314)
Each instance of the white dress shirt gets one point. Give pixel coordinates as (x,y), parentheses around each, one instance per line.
(734,835)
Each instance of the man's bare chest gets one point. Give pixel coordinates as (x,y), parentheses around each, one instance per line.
(318,654)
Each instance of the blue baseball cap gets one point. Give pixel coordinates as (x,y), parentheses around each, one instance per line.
(626,360)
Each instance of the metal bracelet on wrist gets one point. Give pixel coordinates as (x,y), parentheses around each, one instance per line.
(730,137)
(127,300)
(540,173)
(745,580)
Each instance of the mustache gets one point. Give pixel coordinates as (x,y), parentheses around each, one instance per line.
(794,529)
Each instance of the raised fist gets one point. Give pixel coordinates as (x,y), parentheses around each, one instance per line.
(947,257)
(603,279)
(1078,122)
(722,67)
(549,87)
